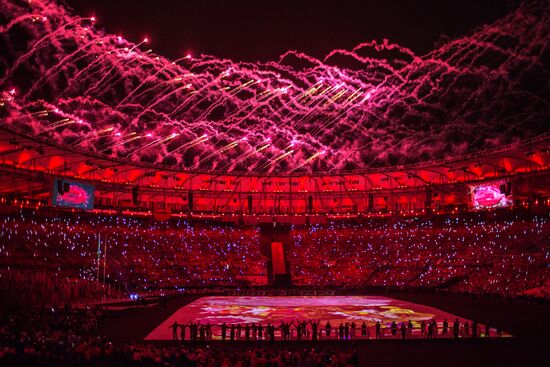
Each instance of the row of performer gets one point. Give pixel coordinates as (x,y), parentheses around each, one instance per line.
(314,330)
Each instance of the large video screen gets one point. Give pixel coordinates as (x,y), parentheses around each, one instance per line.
(489,195)
(72,194)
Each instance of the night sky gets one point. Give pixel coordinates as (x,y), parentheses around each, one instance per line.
(262,30)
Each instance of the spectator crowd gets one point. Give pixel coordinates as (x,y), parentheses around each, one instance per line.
(60,258)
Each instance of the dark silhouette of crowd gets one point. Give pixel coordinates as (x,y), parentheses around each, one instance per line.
(64,337)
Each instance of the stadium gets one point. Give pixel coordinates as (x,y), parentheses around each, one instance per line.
(371,204)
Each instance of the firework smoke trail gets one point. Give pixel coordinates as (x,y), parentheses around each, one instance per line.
(258,105)
(233,93)
(152,77)
(35,47)
(111,144)
(156,142)
(277,157)
(248,153)
(220,101)
(221,150)
(32,17)
(56,67)
(192,143)
(54,125)
(161,99)
(316,155)
(97,135)
(329,120)
(106,95)
(74,81)
(107,73)
(126,141)
(158,85)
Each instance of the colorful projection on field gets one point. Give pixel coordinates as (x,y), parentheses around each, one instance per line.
(271,309)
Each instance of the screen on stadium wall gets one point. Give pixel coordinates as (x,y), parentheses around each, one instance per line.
(72,194)
(488,195)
